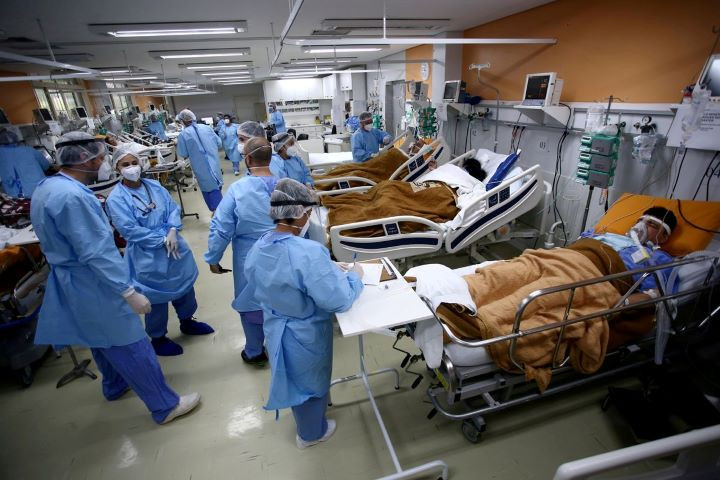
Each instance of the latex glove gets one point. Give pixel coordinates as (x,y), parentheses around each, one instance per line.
(386,140)
(357,268)
(171,243)
(216,268)
(137,301)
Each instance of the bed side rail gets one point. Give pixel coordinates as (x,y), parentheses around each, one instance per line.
(343,184)
(413,162)
(392,244)
(499,205)
(644,273)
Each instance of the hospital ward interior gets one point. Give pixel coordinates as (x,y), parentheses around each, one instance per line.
(374,239)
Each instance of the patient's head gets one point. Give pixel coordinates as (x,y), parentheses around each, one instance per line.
(659,222)
(474,168)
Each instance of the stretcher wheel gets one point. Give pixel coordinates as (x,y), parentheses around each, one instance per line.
(471,432)
(25,376)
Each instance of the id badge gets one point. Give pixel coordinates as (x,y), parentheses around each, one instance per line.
(640,255)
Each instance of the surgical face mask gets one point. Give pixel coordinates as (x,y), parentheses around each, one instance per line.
(227,121)
(131,173)
(241,146)
(293,151)
(367,127)
(305,228)
(271,110)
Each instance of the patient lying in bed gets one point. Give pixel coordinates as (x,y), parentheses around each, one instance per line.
(377,169)
(433,197)
(498,289)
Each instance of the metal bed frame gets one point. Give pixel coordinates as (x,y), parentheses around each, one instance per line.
(409,171)
(500,207)
(463,385)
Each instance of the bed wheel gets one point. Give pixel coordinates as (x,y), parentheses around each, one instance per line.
(470,431)
(25,376)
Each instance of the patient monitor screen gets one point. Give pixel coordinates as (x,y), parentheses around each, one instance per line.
(711,79)
(81,113)
(451,91)
(537,89)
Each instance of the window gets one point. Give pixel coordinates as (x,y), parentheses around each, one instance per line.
(121,103)
(60,101)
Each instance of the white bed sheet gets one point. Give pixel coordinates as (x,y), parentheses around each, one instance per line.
(320,159)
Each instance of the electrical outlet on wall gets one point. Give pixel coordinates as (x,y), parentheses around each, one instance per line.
(543,144)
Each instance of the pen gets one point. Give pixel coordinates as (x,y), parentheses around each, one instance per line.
(352,265)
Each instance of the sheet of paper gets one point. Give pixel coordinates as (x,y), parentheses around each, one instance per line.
(372,273)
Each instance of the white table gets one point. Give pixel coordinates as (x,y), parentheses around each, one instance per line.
(387,305)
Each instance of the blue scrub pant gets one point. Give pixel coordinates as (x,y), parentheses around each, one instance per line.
(252,323)
(234,156)
(310,418)
(212,199)
(156,321)
(136,366)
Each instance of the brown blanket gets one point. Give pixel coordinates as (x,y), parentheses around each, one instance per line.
(434,201)
(498,289)
(376,169)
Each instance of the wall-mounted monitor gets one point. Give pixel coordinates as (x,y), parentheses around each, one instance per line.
(3,117)
(108,109)
(80,111)
(43,114)
(207,120)
(453,90)
(137,109)
(542,89)
(710,76)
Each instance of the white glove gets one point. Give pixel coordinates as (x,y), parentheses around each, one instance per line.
(357,268)
(171,243)
(137,301)
(386,140)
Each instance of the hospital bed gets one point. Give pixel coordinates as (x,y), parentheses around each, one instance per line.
(470,385)
(486,211)
(409,171)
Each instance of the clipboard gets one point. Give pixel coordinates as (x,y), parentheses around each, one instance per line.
(387,274)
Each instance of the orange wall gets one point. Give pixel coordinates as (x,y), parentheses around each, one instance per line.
(412,70)
(17,99)
(642,51)
(144,102)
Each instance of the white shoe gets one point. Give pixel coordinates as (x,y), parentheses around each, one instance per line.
(237,174)
(302,444)
(186,405)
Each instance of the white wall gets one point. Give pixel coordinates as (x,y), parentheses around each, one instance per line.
(222,101)
(630,176)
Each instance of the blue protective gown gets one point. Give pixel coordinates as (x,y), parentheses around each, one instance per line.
(364,144)
(241,218)
(21,169)
(83,303)
(292,167)
(278,120)
(156,275)
(298,287)
(229,137)
(200,144)
(158,129)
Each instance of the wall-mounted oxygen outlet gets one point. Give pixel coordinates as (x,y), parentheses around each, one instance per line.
(543,144)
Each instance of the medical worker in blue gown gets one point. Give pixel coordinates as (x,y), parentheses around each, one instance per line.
(200,144)
(245,132)
(286,161)
(241,218)
(299,288)
(156,127)
(366,140)
(21,167)
(276,118)
(228,133)
(161,263)
(89,299)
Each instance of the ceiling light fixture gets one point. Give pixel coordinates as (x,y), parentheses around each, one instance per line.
(201,53)
(128,79)
(219,74)
(231,78)
(237,83)
(131,30)
(318,61)
(323,49)
(215,67)
(316,69)
(113,72)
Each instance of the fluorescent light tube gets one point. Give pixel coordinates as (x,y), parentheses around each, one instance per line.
(127,79)
(219,74)
(215,67)
(341,49)
(175,32)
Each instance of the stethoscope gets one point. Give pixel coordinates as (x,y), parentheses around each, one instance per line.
(147,207)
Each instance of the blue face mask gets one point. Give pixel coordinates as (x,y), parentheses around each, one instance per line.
(271,110)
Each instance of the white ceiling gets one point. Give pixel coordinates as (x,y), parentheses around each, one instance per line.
(66,26)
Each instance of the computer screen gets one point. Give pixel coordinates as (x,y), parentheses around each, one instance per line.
(3,117)
(711,76)
(537,87)
(452,89)
(81,113)
(45,114)
(137,109)
(207,120)
(108,109)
